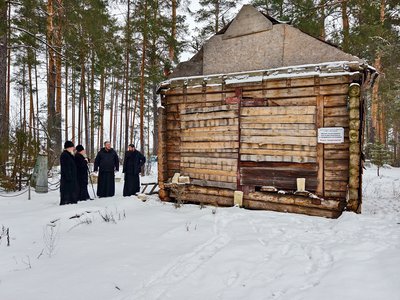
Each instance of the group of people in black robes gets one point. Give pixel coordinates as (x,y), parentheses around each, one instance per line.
(74,172)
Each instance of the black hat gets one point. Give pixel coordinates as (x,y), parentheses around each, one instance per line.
(131,145)
(79,148)
(68,144)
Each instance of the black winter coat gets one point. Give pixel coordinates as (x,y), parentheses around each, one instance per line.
(82,175)
(133,162)
(106,161)
(68,182)
(81,168)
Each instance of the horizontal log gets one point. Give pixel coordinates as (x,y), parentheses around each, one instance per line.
(298,101)
(209,145)
(302,119)
(340,186)
(222,151)
(212,129)
(210,115)
(278,147)
(290,92)
(278,110)
(294,200)
(281,166)
(273,152)
(336,147)
(286,184)
(186,166)
(208,171)
(335,195)
(336,111)
(279,132)
(277,126)
(336,175)
(203,154)
(336,164)
(218,184)
(336,121)
(286,140)
(281,158)
(209,109)
(336,100)
(205,199)
(208,190)
(336,89)
(209,123)
(337,154)
(210,160)
(311,211)
(209,177)
(207,137)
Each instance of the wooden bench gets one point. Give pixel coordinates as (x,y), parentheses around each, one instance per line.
(153,186)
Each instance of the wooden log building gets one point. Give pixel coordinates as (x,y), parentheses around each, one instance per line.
(259,107)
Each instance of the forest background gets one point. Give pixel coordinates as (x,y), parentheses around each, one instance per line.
(88,70)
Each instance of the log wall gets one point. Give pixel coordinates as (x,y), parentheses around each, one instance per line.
(233,136)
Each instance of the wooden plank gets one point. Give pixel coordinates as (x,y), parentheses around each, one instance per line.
(336,164)
(208,171)
(209,160)
(210,115)
(336,100)
(336,121)
(277,158)
(295,200)
(335,195)
(221,151)
(282,170)
(209,109)
(298,101)
(209,145)
(203,154)
(278,126)
(304,119)
(186,166)
(211,129)
(340,186)
(207,137)
(276,110)
(280,132)
(287,140)
(218,184)
(336,89)
(290,208)
(286,184)
(205,199)
(340,111)
(341,175)
(209,123)
(290,92)
(272,152)
(212,177)
(337,154)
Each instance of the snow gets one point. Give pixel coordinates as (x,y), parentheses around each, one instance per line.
(157,251)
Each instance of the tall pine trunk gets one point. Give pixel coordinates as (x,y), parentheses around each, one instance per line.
(3,87)
(142,79)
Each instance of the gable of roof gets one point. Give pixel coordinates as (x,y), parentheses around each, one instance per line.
(254,41)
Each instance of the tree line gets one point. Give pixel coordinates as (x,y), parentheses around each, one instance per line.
(88,70)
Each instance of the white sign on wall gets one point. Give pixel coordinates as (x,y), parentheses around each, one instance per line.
(331,135)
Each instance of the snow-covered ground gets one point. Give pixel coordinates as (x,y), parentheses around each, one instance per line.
(156,251)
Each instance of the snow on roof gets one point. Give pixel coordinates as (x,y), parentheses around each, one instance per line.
(337,68)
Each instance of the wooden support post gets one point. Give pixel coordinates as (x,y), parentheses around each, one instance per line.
(320,147)
(354,199)
(162,153)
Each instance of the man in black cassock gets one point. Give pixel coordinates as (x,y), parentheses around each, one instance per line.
(133,162)
(68,182)
(81,162)
(106,162)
